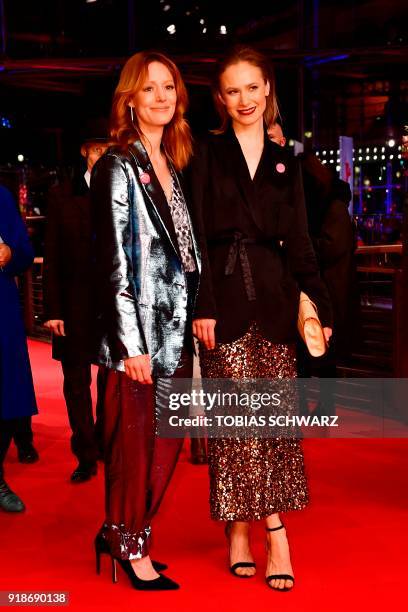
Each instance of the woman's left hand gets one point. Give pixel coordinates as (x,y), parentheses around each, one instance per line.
(327,331)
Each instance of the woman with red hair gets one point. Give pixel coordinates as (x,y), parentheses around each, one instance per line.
(148,265)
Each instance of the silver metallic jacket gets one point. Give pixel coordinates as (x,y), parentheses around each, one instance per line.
(142,288)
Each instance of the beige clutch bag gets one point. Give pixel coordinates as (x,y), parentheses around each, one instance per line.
(309,326)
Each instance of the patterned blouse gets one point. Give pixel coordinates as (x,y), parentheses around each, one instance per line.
(178,210)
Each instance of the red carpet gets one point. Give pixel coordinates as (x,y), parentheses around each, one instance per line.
(349,547)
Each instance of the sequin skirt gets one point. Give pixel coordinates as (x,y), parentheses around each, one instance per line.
(252,478)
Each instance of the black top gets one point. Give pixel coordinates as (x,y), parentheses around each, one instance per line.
(256,251)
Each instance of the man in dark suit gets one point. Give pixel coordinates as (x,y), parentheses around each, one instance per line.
(68,302)
(332,232)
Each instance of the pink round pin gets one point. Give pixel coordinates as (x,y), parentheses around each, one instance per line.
(144,178)
(280,168)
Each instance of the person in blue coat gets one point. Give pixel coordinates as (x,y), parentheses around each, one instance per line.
(17,397)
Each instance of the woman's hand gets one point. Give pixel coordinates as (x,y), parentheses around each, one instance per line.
(139,368)
(56,326)
(327,331)
(203,329)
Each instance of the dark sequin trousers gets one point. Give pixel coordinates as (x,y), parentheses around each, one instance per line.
(252,478)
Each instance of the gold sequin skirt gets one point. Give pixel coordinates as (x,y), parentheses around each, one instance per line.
(252,478)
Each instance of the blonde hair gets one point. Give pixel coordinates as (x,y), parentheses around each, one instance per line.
(241,53)
(177,141)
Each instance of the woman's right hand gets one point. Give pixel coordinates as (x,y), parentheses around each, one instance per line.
(203,330)
(139,368)
(56,326)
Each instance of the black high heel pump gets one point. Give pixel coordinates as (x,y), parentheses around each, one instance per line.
(162,583)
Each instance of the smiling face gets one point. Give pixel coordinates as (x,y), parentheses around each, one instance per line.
(155,102)
(243,91)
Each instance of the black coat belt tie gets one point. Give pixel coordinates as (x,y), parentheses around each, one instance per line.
(237,249)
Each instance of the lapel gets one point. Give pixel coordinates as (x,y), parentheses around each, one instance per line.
(79,185)
(272,156)
(80,204)
(247,186)
(154,192)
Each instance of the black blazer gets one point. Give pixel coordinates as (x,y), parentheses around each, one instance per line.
(256,251)
(68,269)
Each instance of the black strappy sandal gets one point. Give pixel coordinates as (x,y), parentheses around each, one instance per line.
(233,568)
(279,576)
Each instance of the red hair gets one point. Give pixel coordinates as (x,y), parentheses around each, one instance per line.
(177,141)
(242,53)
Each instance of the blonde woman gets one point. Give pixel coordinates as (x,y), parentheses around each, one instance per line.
(251,223)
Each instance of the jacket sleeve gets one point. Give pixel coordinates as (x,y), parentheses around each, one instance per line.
(15,236)
(197,176)
(302,257)
(336,237)
(111,209)
(52,269)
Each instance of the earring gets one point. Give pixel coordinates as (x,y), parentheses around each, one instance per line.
(131,114)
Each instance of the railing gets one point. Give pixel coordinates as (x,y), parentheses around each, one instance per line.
(381,283)
(32,298)
(381,289)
